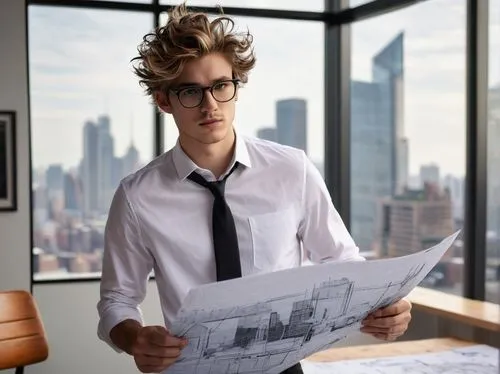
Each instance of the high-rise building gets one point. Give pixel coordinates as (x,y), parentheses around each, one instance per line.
(89,168)
(130,160)
(97,166)
(413,221)
(379,150)
(72,192)
(267,133)
(430,174)
(291,123)
(403,165)
(55,178)
(456,186)
(105,158)
(70,206)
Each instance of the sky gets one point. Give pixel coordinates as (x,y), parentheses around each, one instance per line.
(80,68)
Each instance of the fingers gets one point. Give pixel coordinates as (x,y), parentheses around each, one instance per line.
(155,349)
(160,352)
(385,322)
(164,339)
(393,331)
(388,323)
(157,359)
(398,307)
(384,334)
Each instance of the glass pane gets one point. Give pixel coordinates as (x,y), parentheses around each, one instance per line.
(91,125)
(493,213)
(270,100)
(311,5)
(408,127)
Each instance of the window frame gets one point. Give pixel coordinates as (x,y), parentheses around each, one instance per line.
(337,18)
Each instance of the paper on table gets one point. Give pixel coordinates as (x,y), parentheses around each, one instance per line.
(267,323)
(477,359)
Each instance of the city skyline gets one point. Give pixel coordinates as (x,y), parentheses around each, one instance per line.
(408,124)
(75,170)
(78,78)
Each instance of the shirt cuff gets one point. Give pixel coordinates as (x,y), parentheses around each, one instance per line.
(112,317)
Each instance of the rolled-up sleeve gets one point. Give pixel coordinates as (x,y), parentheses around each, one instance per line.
(125,270)
(323,233)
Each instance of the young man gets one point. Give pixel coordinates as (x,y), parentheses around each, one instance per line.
(216,206)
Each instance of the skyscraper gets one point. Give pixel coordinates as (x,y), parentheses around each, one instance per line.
(72,192)
(430,174)
(291,123)
(388,75)
(55,179)
(89,168)
(413,221)
(267,133)
(456,186)
(379,150)
(105,160)
(97,166)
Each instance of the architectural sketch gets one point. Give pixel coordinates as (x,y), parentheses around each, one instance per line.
(478,359)
(277,331)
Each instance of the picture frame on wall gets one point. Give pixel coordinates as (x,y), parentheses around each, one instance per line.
(8,167)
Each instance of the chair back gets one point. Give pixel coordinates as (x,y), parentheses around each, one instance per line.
(22,336)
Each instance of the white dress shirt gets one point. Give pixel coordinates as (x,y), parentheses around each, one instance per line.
(160,220)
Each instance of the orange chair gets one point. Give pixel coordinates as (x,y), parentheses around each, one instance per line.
(22,336)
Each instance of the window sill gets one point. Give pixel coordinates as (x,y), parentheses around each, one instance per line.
(476,313)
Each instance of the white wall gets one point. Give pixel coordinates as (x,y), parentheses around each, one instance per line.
(15,226)
(70,318)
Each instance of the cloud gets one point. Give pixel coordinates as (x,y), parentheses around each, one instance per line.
(80,67)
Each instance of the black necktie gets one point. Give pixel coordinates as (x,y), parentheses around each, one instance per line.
(227,254)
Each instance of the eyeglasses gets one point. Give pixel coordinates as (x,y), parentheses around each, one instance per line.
(192,96)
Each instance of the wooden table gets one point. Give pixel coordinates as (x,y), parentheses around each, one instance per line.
(475,313)
(389,349)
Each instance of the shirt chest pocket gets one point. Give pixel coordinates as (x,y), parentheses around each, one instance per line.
(274,240)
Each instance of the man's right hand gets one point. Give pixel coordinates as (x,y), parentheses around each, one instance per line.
(155,350)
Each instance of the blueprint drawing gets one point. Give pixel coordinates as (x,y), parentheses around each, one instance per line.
(271,321)
(476,359)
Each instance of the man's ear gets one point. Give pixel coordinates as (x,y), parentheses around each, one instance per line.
(163,101)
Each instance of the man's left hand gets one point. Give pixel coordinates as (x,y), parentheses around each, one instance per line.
(388,323)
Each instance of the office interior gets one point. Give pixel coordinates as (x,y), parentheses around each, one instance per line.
(396,102)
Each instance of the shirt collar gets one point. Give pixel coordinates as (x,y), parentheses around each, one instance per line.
(185,166)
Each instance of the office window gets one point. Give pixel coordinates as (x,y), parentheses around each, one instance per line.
(273,105)
(311,6)
(91,125)
(407,134)
(493,195)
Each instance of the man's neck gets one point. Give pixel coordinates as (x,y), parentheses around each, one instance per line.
(214,157)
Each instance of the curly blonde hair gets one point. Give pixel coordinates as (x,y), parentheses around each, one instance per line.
(187,36)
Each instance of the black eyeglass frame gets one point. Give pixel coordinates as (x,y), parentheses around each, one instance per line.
(178,91)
